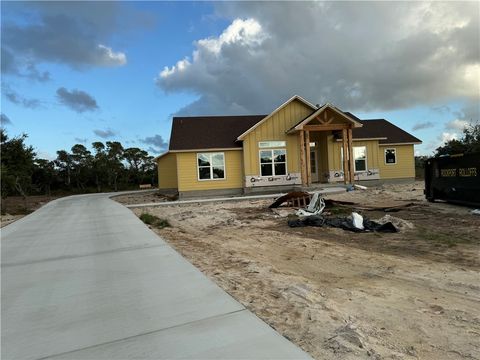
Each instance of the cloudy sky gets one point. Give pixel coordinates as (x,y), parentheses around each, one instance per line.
(93,71)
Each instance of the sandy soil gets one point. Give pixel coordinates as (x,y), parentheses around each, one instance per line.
(342,295)
(17,207)
(144,197)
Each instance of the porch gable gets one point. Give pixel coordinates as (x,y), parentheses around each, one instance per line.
(326,117)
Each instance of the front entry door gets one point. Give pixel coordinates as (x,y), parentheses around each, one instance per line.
(313,162)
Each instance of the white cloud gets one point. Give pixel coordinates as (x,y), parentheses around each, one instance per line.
(180,66)
(110,57)
(456,124)
(447,136)
(358,55)
(245,32)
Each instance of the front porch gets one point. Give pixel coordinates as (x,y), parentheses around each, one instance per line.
(316,134)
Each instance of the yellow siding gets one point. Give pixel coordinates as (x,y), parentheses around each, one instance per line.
(188,173)
(274,130)
(405,166)
(335,154)
(167,171)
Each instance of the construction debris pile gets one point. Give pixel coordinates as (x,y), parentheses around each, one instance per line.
(314,205)
(355,223)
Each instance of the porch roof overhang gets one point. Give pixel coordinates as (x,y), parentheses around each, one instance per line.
(363,139)
(325,123)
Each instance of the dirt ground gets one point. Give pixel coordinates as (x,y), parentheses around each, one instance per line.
(17,207)
(144,197)
(343,295)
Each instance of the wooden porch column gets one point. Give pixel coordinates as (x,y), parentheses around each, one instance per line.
(350,151)
(302,158)
(346,168)
(309,169)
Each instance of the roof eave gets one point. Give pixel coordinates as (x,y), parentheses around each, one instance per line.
(365,139)
(207,149)
(402,143)
(161,155)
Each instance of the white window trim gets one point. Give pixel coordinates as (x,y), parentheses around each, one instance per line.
(366,160)
(273,163)
(211,167)
(354,165)
(385,156)
(276,146)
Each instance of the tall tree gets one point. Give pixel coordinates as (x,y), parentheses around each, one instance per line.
(114,161)
(64,162)
(81,165)
(468,143)
(138,162)
(17,165)
(99,164)
(43,175)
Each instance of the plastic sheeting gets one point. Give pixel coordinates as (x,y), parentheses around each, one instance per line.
(345,223)
(316,206)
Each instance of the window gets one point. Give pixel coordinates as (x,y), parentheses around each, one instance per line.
(360,158)
(313,158)
(273,162)
(390,156)
(211,166)
(270,144)
(313,161)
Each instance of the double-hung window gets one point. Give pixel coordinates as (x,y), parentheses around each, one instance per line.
(360,158)
(273,162)
(390,156)
(211,166)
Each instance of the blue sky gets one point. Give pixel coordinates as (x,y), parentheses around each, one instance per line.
(85,72)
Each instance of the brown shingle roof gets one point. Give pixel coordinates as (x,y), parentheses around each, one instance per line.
(220,132)
(210,132)
(376,128)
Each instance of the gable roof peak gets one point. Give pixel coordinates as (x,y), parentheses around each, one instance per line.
(293,98)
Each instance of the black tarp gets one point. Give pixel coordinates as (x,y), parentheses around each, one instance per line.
(345,223)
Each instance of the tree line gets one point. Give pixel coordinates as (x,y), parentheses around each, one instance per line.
(468,143)
(108,167)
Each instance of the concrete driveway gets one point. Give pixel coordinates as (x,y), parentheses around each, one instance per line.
(83,278)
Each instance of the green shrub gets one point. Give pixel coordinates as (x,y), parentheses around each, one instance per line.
(148,218)
(153,220)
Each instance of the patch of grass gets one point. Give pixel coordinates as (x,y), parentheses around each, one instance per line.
(153,220)
(439,237)
(147,218)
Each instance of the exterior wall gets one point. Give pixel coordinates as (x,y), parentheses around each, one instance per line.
(167,172)
(274,130)
(405,166)
(335,164)
(188,173)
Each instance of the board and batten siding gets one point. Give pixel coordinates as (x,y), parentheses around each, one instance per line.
(188,173)
(167,171)
(405,166)
(335,153)
(274,130)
